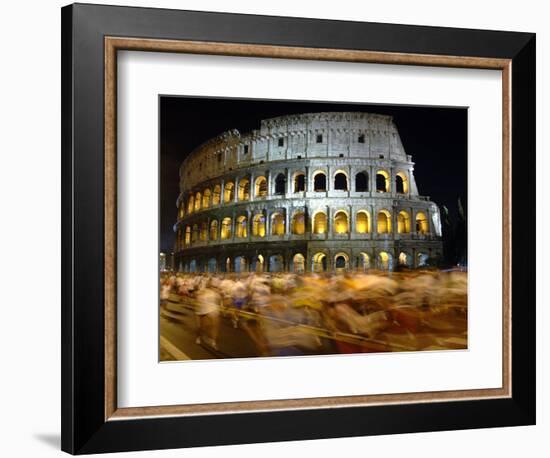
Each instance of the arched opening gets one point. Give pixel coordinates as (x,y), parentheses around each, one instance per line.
(382,181)
(404,259)
(299,182)
(383,222)
(340,181)
(261,187)
(385,260)
(225,232)
(212,265)
(362,222)
(198,201)
(276,263)
(259,264)
(277,224)
(258,225)
(363,262)
(319,182)
(401,183)
(320,223)
(361,182)
(421,259)
(341,262)
(190,204)
(319,262)
(241,225)
(193,265)
(195,233)
(403,222)
(244,189)
(216,195)
(280,184)
(204,231)
(228,265)
(241,264)
(298,263)
(422,226)
(298,225)
(187,235)
(214,230)
(229,192)
(341,224)
(206,196)
(181,211)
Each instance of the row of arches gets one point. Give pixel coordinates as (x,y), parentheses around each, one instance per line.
(215,196)
(224,228)
(319,262)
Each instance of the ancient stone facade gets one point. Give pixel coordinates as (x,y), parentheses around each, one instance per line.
(307,192)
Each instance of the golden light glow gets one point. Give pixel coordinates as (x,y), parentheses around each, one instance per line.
(364,261)
(225,232)
(228,192)
(401,183)
(403,259)
(403,222)
(204,231)
(206,198)
(341,225)
(214,230)
(216,195)
(258,225)
(195,233)
(320,223)
(241,227)
(190,204)
(422,226)
(319,262)
(384,222)
(362,222)
(277,224)
(384,260)
(299,263)
(244,189)
(187,235)
(261,187)
(197,201)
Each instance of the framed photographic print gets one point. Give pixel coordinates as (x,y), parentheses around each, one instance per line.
(282,228)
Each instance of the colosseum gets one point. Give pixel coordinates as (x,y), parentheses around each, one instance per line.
(308,192)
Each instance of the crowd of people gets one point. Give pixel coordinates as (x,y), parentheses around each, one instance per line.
(289,314)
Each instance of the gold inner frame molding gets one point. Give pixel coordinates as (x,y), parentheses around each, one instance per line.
(114,44)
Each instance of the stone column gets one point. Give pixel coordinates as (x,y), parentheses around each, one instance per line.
(289,182)
(222,191)
(236,190)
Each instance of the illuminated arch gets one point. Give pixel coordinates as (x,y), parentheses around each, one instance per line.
(258,225)
(319,262)
(190,204)
(277,224)
(260,187)
(298,263)
(225,232)
(203,235)
(422,226)
(244,189)
(298,225)
(363,262)
(214,229)
(319,181)
(385,260)
(206,197)
(383,222)
(198,196)
(320,223)
(187,235)
(362,222)
(216,195)
(181,211)
(341,222)
(241,264)
(241,227)
(401,183)
(404,259)
(403,222)
(229,192)
(195,233)
(382,181)
(260,261)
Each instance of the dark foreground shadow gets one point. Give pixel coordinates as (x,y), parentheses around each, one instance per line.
(50,439)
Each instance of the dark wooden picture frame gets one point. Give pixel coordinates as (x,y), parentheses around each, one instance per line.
(91,37)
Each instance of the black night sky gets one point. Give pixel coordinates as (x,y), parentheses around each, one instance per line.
(435,137)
